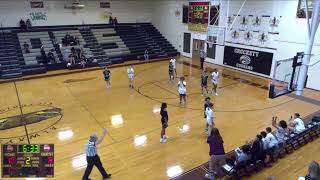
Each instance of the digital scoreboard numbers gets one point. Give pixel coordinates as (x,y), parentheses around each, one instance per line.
(198,17)
(27,160)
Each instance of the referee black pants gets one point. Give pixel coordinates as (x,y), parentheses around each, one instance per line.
(94,161)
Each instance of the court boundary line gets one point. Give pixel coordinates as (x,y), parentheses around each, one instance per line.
(45,75)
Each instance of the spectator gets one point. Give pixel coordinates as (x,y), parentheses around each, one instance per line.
(297,123)
(216,154)
(51,57)
(72,58)
(23,26)
(146,55)
(115,21)
(313,171)
(243,155)
(43,55)
(66,54)
(110,20)
(28,24)
(26,47)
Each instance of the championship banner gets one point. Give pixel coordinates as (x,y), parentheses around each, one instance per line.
(198,16)
(251,60)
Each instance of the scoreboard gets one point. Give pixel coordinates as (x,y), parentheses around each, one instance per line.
(198,17)
(27,160)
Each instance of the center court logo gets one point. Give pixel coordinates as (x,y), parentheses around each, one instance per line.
(44,115)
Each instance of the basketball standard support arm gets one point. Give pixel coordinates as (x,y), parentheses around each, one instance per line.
(243,3)
(315,19)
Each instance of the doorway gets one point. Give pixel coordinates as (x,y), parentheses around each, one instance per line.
(196,46)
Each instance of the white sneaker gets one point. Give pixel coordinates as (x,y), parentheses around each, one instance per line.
(161,140)
(164,140)
(216,94)
(209,176)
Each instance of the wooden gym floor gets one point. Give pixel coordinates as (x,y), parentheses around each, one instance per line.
(131,150)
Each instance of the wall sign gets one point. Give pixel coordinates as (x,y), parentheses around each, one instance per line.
(104,4)
(38,16)
(36,4)
(248,59)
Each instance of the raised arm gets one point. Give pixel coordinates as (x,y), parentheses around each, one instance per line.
(104,132)
(274,122)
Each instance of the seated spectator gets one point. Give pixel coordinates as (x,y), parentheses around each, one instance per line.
(297,123)
(76,41)
(243,155)
(43,55)
(23,25)
(51,57)
(28,24)
(273,142)
(83,62)
(26,47)
(66,41)
(313,171)
(216,154)
(146,55)
(66,54)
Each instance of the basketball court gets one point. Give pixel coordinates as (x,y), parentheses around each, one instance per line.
(82,105)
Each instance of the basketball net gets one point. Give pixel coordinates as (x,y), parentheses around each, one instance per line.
(210,44)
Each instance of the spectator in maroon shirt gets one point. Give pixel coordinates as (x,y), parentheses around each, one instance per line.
(216,153)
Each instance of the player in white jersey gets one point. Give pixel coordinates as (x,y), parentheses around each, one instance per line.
(214,80)
(130,72)
(174,64)
(182,90)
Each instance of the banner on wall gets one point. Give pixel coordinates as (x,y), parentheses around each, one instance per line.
(248,59)
(38,16)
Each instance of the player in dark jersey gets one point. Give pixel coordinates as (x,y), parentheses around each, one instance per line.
(106,74)
(204,82)
(171,77)
(164,122)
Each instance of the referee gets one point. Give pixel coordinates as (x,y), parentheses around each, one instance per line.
(93,158)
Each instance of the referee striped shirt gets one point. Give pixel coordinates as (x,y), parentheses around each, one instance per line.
(91,149)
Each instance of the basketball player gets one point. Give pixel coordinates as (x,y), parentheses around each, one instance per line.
(92,157)
(209,118)
(207,101)
(174,61)
(107,74)
(182,89)
(214,80)
(171,76)
(204,82)
(130,76)
(164,122)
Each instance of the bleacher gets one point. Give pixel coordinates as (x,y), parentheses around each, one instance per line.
(103,44)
